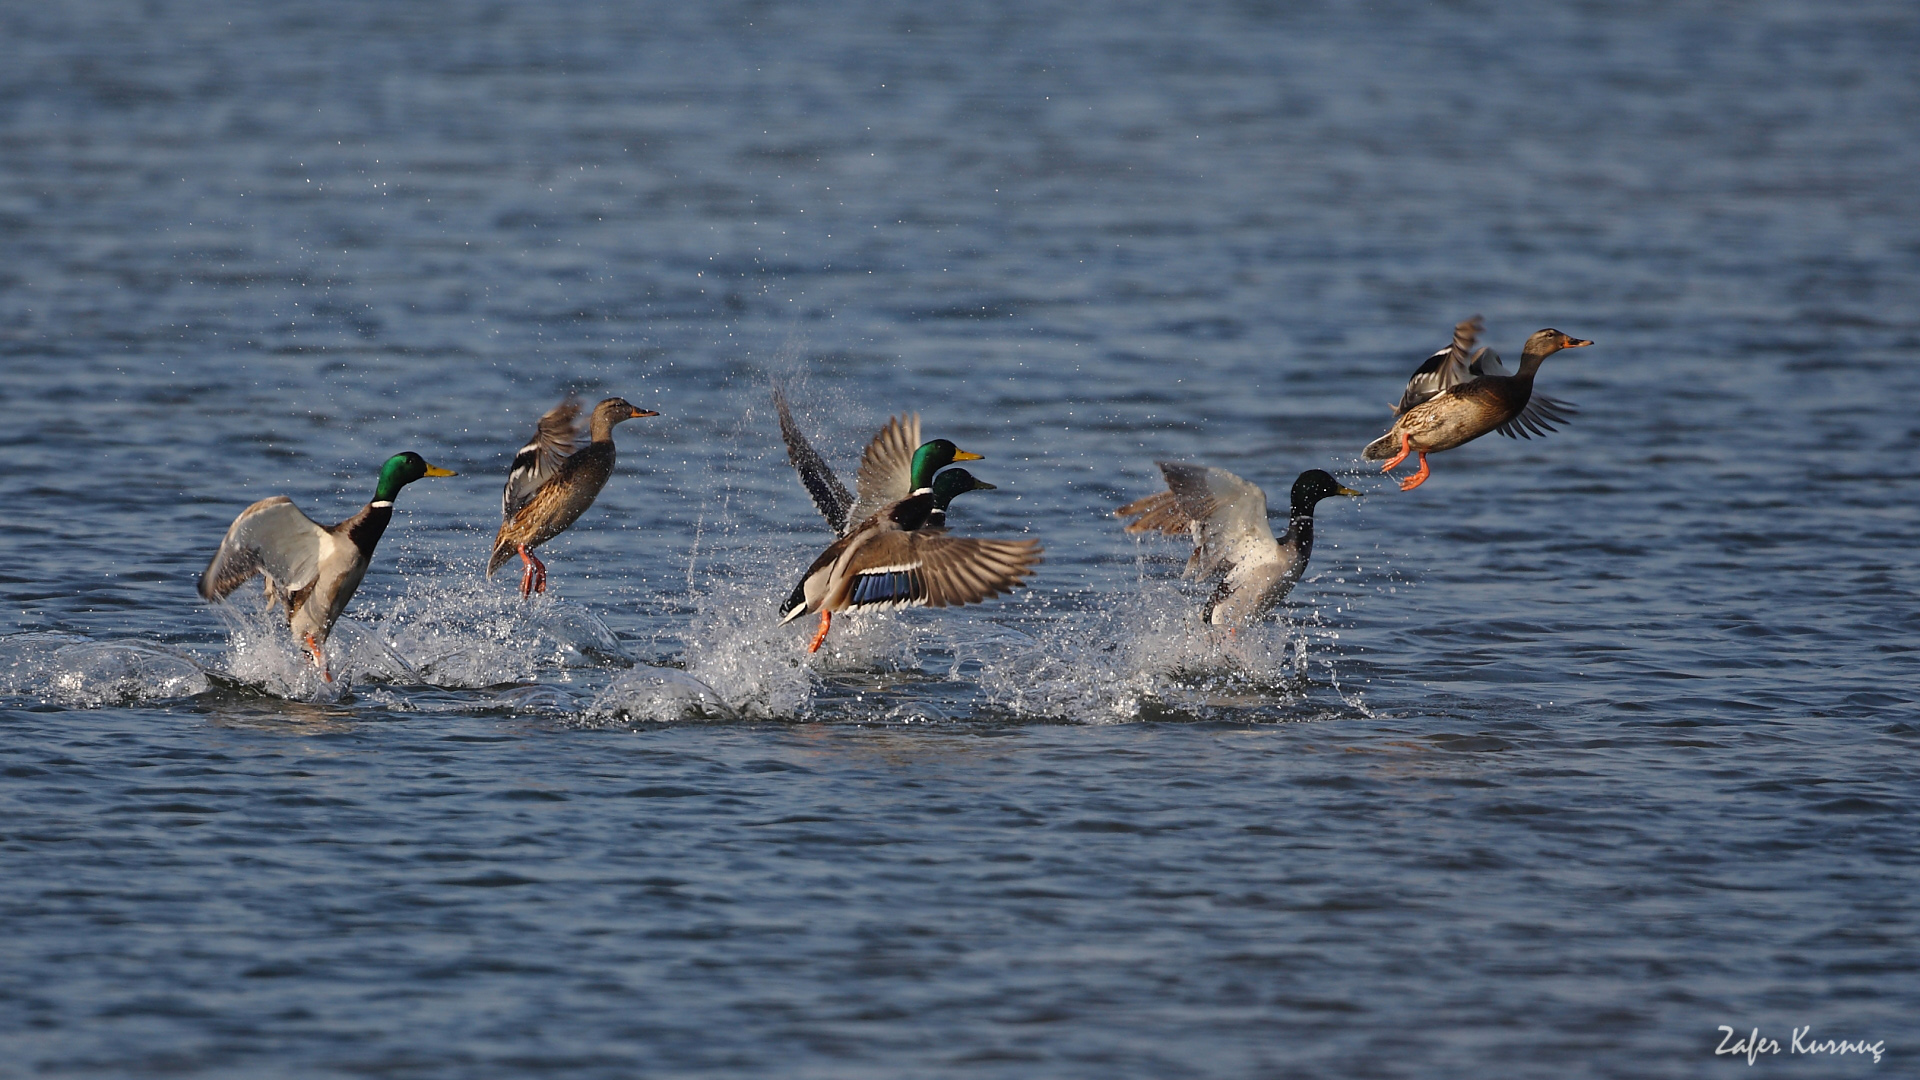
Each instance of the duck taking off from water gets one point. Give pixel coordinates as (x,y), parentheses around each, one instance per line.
(886,468)
(1460,362)
(1433,417)
(553,481)
(903,556)
(311,569)
(1233,544)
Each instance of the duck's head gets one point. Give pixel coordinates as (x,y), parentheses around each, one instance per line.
(1545,343)
(955,482)
(403,469)
(1314,485)
(934,456)
(617,409)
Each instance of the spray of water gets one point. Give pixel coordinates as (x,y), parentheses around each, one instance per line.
(75,671)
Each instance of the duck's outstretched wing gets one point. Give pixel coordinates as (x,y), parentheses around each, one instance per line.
(829,494)
(273,537)
(886,468)
(1448,367)
(557,437)
(933,568)
(1159,512)
(1229,517)
(1538,418)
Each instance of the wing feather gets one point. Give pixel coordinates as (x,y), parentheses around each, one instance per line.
(933,568)
(886,468)
(1158,512)
(272,537)
(554,441)
(829,494)
(1229,516)
(1539,417)
(1446,368)
(1486,362)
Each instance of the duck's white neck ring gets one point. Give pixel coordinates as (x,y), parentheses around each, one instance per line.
(381,503)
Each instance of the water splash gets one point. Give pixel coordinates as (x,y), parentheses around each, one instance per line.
(72,670)
(464,632)
(738,663)
(1147,657)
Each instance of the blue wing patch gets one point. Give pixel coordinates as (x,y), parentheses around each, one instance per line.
(885,587)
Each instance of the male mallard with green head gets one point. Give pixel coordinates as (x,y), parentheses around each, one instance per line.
(903,556)
(553,481)
(311,569)
(1432,418)
(1233,544)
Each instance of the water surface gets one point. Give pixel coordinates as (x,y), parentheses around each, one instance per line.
(1589,745)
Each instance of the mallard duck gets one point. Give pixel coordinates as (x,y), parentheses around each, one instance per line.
(553,481)
(311,569)
(903,556)
(886,468)
(1465,411)
(1226,517)
(1460,362)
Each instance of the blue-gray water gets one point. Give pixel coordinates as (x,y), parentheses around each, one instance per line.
(1552,766)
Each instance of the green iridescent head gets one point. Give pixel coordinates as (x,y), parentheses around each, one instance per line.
(1314,485)
(401,470)
(934,456)
(955,482)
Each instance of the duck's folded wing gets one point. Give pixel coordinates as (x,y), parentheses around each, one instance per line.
(1448,367)
(828,493)
(933,568)
(557,437)
(1230,515)
(1538,418)
(271,536)
(886,468)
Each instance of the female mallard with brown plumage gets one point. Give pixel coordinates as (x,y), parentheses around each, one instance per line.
(1226,518)
(553,481)
(311,569)
(1439,413)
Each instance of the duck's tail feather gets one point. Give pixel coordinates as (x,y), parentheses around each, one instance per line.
(1383,447)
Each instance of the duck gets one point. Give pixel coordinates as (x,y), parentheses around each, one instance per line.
(552,482)
(886,468)
(903,556)
(312,570)
(1233,543)
(1464,411)
(1460,362)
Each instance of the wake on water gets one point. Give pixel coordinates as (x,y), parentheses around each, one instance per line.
(1037,656)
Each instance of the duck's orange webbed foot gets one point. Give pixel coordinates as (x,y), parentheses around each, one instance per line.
(1418,478)
(826,622)
(534,578)
(1406,447)
(319,658)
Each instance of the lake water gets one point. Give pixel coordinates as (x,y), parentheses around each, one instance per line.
(1551,767)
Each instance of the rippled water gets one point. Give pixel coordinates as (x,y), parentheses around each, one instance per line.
(1552,766)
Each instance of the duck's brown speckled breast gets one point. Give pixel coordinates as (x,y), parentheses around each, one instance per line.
(561,501)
